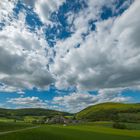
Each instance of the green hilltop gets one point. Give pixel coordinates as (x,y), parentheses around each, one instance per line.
(111,112)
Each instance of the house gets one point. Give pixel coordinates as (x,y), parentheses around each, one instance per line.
(59,120)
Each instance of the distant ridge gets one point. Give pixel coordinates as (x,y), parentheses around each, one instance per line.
(30,112)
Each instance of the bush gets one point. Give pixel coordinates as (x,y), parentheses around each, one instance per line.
(118,125)
(34,121)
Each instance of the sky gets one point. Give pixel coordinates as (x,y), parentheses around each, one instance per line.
(69,54)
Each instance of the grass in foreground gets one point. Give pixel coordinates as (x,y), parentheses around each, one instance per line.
(93,131)
(8,126)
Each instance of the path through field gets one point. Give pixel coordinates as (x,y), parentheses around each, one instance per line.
(19,130)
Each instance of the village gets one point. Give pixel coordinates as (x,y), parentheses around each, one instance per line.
(58,119)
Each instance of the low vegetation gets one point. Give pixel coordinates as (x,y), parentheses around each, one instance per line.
(118,125)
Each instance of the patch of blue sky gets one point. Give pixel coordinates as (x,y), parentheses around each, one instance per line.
(50,93)
(92,25)
(62,28)
(94,92)
(106,13)
(120,7)
(43,95)
(5,96)
(32,20)
(133,94)
(1,25)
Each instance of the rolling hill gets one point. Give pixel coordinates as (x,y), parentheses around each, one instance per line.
(30,112)
(111,112)
(100,112)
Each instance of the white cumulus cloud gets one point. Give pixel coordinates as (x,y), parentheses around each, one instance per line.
(107,58)
(23,61)
(28,102)
(78,101)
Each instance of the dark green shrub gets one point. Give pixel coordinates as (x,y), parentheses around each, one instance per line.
(34,121)
(118,125)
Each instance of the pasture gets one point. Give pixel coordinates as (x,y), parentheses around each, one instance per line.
(88,131)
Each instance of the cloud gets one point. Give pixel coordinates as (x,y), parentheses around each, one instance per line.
(78,101)
(107,58)
(102,61)
(6,9)
(44,8)
(30,3)
(27,102)
(23,60)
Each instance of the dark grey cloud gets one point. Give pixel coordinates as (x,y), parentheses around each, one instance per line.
(22,59)
(9,63)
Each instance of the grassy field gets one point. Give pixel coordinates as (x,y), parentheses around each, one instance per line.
(8,126)
(2,119)
(89,131)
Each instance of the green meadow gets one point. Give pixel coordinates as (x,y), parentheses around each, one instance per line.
(11,126)
(85,131)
